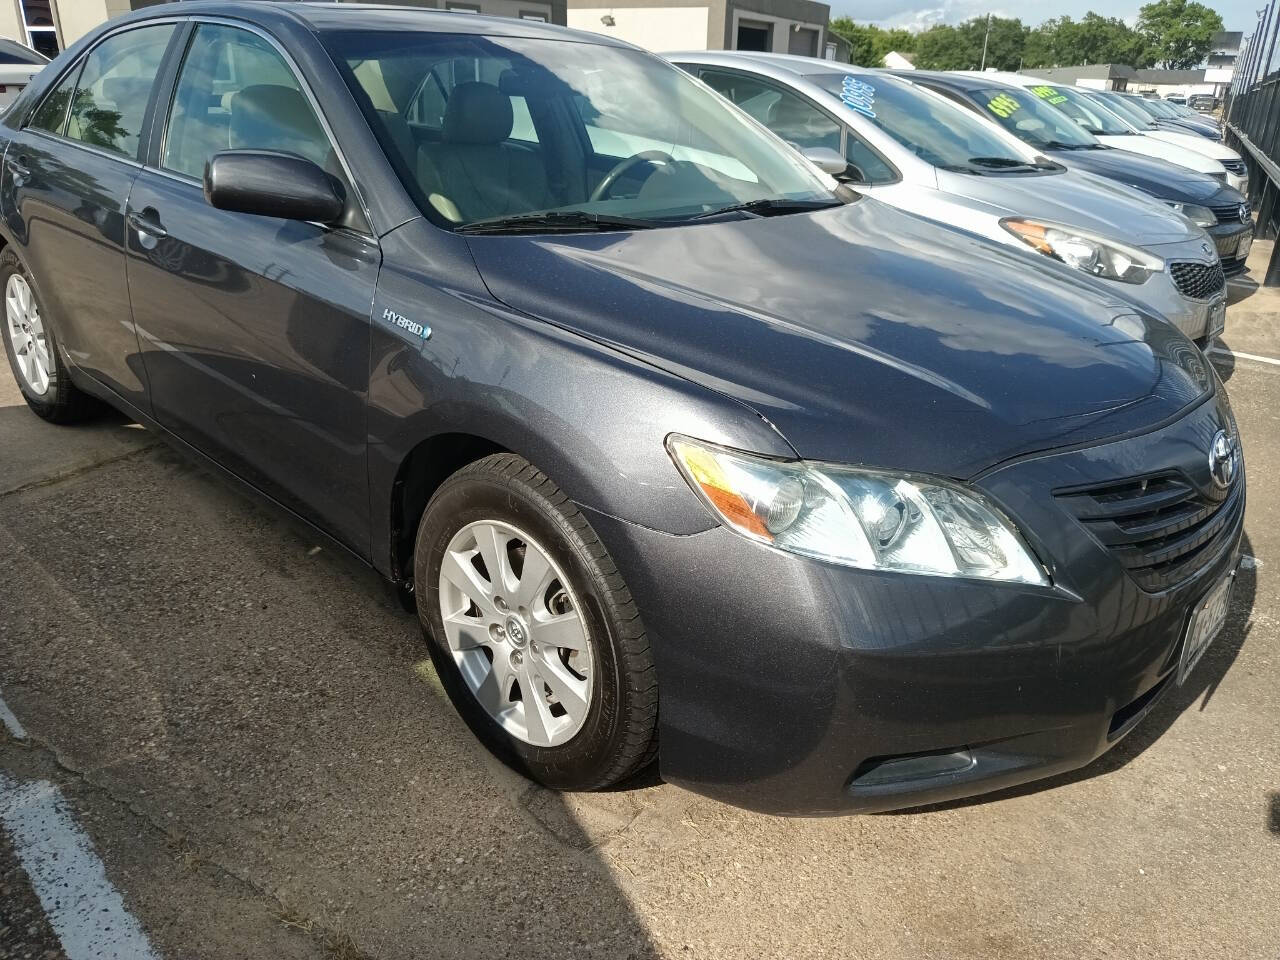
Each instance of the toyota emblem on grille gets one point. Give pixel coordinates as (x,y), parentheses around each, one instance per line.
(1206,248)
(1222,459)
(1244,213)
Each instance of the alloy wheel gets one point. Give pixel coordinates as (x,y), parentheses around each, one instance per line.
(515,629)
(26,333)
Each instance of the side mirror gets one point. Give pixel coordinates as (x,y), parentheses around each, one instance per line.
(272,184)
(829,161)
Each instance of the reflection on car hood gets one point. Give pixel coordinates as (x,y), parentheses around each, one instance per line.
(864,334)
(1160,178)
(1079,199)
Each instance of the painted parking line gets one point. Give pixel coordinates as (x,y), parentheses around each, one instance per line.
(82,906)
(11,722)
(1245,356)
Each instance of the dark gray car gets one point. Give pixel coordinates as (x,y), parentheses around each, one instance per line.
(680,450)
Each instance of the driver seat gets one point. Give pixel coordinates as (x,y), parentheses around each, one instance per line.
(475,172)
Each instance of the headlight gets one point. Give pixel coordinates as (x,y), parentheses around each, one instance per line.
(1200,216)
(1094,255)
(859,518)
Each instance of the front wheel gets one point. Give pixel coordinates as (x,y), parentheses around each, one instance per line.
(534,635)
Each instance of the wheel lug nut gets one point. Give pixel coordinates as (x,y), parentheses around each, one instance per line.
(517,658)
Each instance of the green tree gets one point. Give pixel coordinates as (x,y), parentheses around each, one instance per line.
(869,43)
(1094,39)
(944,47)
(1177,32)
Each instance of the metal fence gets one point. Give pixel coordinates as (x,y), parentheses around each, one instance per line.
(1252,115)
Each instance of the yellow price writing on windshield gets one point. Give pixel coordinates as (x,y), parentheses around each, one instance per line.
(1050,94)
(1003,105)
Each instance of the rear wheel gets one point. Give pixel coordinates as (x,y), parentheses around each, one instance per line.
(534,635)
(32,349)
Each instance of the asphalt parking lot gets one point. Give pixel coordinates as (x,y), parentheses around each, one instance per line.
(246,728)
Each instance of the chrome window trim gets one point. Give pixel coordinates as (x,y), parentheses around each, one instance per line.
(305,87)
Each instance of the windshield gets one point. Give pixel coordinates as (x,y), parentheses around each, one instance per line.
(1032,120)
(494,128)
(12,52)
(1149,106)
(934,130)
(1120,105)
(1083,111)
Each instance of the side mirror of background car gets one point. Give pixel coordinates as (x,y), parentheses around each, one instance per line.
(272,184)
(829,161)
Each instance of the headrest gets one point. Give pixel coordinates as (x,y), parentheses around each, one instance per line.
(790,112)
(477,113)
(128,92)
(269,116)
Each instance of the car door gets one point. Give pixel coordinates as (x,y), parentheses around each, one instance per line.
(254,330)
(67,178)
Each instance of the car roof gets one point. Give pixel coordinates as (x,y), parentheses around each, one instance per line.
(1004,76)
(788,62)
(957,81)
(335,17)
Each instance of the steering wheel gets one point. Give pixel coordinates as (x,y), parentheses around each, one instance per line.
(622,166)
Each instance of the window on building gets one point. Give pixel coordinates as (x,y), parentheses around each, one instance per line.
(42,32)
(114,88)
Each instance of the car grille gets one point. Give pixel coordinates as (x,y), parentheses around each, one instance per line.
(1199,281)
(1161,529)
(1234,166)
(1233,266)
(1227,212)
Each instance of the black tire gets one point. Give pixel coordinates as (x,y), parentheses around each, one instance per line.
(619,736)
(63,401)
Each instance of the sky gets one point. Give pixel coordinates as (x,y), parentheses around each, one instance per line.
(920,14)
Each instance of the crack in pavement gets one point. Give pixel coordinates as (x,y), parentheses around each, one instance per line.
(78,471)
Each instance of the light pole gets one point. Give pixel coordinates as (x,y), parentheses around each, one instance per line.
(985,37)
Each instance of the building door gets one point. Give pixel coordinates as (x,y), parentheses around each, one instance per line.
(803,42)
(754,35)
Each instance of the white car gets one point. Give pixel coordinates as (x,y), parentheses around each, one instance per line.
(1237,172)
(1106,126)
(916,150)
(18,64)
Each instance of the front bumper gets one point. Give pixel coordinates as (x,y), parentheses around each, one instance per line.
(1191,315)
(1233,241)
(797,687)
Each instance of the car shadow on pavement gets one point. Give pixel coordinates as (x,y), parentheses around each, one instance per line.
(1198,691)
(1240,288)
(265,703)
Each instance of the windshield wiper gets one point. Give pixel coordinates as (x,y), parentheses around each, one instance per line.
(768,207)
(556,221)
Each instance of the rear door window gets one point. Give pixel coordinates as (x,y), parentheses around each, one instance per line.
(52,113)
(114,87)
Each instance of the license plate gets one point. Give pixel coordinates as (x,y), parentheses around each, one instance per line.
(1206,623)
(1217,318)
(1244,246)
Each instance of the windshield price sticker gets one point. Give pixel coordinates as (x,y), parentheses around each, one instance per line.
(859,96)
(1003,105)
(1050,94)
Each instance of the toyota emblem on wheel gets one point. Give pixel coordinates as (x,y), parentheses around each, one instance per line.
(1222,458)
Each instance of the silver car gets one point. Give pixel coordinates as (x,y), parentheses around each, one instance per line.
(914,149)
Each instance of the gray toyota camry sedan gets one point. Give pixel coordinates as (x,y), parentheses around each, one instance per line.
(680,451)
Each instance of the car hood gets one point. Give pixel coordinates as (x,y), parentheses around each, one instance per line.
(1164,150)
(1193,141)
(862,333)
(1160,178)
(1078,199)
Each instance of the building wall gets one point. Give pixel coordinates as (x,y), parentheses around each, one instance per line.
(11,21)
(78,17)
(655,28)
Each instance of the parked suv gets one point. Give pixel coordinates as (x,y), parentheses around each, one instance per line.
(681,450)
(920,152)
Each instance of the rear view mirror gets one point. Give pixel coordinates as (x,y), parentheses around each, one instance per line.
(829,161)
(272,184)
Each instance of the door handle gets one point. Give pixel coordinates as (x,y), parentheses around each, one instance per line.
(148,226)
(19,170)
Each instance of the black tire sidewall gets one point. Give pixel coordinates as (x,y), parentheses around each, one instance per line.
(585,761)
